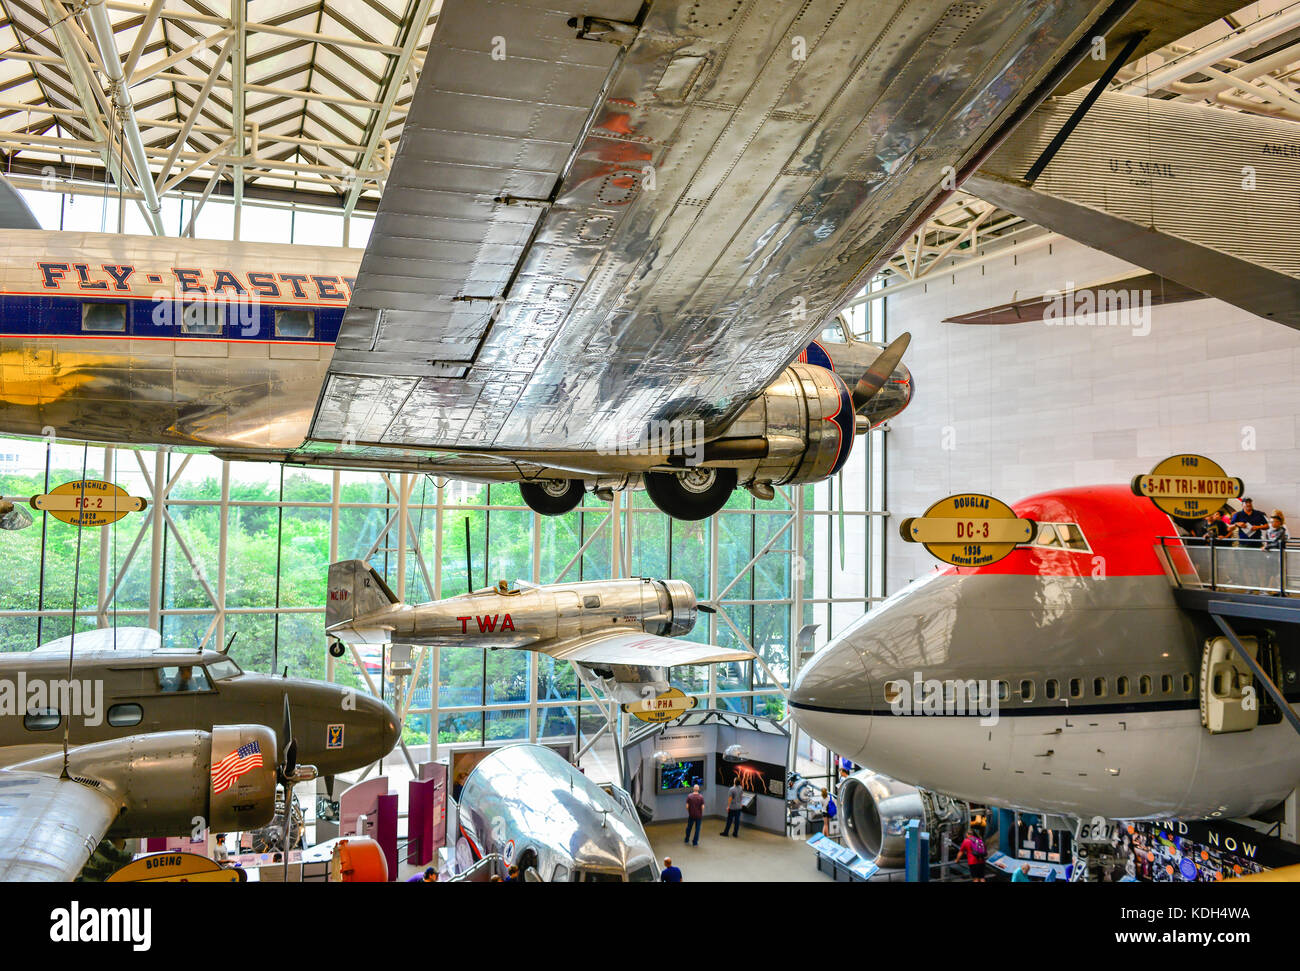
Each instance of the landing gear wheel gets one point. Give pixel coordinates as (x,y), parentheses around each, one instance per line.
(552,497)
(337,649)
(693,494)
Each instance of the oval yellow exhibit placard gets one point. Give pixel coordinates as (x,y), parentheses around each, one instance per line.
(661,708)
(1188,486)
(174,866)
(88,503)
(969,529)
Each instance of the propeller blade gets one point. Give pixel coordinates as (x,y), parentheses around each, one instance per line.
(286,731)
(881,368)
(705,608)
(290,757)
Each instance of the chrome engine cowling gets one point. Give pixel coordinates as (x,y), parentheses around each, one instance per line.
(875,811)
(677,609)
(807,420)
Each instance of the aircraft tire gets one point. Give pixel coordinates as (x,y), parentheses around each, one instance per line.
(545,496)
(337,649)
(691,495)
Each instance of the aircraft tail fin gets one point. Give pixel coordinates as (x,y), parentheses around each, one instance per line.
(354,590)
(14,211)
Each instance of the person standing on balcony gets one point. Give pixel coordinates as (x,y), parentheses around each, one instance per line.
(1275,536)
(1249,523)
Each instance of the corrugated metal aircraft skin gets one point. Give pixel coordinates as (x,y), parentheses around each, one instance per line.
(1166,185)
(665,253)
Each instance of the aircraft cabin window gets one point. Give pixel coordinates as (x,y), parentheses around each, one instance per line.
(42,720)
(561,874)
(1166,683)
(124,716)
(599,876)
(186,677)
(591,601)
(1121,685)
(642,874)
(1144,684)
(1076,687)
(1004,691)
(1053,689)
(224,670)
(1099,687)
(1047,536)
(1187,684)
(893,691)
(295,323)
(202,318)
(1026,690)
(106,317)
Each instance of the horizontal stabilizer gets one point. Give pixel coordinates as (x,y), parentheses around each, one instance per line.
(638,647)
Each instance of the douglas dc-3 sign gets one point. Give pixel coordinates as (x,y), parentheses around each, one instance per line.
(968,529)
(1188,486)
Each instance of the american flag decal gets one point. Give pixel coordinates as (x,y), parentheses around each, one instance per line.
(243,759)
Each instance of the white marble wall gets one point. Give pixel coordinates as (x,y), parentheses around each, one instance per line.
(1030,407)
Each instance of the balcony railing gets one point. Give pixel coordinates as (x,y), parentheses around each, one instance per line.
(1233,566)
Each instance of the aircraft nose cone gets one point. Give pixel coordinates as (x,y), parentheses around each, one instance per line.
(834,680)
(829,699)
(389,728)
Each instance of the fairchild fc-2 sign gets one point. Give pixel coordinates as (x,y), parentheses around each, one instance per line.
(88,503)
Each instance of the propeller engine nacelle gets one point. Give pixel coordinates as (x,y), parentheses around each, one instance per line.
(169,786)
(800,429)
(165,783)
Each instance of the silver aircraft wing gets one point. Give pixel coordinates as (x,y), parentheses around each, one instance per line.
(619,213)
(49,826)
(637,647)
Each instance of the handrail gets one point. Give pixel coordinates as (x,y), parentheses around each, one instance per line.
(484,863)
(1244,552)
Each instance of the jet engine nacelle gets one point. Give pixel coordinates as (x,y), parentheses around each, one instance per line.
(166,784)
(875,811)
(807,422)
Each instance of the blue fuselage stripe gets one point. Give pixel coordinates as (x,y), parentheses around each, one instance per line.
(54,316)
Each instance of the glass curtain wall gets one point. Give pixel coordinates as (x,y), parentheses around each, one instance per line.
(242,550)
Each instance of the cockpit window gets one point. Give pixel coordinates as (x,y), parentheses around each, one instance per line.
(833,332)
(186,677)
(224,670)
(642,874)
(1059,536)
(601,876)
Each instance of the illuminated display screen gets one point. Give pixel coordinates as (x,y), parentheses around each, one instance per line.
(680,776)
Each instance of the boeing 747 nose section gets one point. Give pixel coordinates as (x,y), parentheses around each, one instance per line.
(1063,678)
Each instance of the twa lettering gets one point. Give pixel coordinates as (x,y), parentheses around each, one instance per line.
(487,623)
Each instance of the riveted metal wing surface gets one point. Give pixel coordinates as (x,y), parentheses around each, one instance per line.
(604,217)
